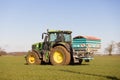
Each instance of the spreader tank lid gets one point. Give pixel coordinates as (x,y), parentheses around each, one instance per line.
(87,37)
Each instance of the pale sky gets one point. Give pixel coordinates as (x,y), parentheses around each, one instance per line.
(23,21)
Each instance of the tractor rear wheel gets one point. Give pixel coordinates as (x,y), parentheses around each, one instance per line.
(32,58)
(59,56)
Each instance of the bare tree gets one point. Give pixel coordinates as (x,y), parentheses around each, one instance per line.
(2,52)
(118,47)
(110,48)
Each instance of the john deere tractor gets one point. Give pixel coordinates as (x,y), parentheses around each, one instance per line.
(58,48)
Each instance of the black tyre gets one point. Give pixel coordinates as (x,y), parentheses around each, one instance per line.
(59,56)
(32,58)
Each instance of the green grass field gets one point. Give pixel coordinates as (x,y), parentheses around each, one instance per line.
(101,68)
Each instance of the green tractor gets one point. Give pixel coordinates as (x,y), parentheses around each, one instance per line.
(58,48)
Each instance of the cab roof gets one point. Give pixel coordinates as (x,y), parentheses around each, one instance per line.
(57,31)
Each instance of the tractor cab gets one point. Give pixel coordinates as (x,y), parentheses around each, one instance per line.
(59,36)
(53,37)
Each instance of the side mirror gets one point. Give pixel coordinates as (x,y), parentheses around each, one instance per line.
(43,35)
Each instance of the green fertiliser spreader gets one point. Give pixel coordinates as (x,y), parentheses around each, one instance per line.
(58,48)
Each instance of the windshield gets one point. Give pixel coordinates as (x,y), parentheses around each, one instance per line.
(67,37)
(53,36)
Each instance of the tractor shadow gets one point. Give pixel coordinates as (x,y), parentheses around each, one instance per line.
(83,64)
(105,76)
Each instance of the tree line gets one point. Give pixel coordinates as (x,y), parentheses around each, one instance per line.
(3,52)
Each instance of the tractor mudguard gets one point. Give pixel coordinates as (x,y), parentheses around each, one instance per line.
(39,55)
(67,46)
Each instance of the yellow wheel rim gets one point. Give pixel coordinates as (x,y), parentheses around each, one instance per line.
(58,57)
(31,59)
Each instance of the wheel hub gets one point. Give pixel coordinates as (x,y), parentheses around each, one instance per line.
(58,57)
(31,59)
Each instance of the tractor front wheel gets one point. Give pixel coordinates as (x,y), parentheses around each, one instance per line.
(32,58)
(59,56)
